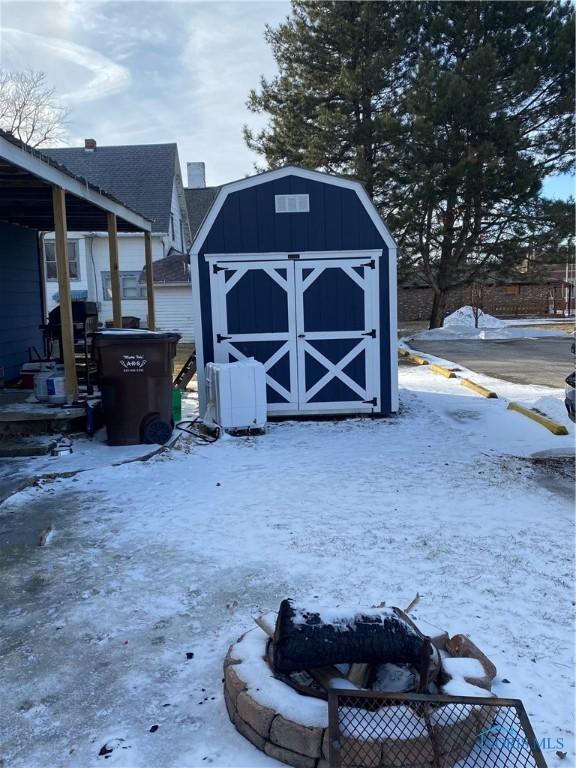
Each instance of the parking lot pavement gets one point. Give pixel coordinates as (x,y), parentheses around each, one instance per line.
(523,361)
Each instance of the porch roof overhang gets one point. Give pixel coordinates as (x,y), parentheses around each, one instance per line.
(26,181)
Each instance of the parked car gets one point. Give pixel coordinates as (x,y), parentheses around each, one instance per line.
(570,393)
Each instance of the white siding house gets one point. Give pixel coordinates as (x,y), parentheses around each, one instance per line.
(147,177)
(172,283)
(174,310)
(91,271)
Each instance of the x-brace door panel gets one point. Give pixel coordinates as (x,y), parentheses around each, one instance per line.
(313,323)
(337,327)
(253,316)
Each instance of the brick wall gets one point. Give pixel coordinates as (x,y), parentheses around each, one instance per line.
(500,300)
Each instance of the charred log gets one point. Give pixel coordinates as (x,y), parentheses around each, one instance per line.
(307,638)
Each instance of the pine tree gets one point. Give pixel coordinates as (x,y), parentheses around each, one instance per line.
(452,113)
(339,64)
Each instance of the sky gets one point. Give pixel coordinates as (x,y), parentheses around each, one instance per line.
(137,72)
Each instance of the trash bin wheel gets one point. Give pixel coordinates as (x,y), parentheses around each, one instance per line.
(154,430)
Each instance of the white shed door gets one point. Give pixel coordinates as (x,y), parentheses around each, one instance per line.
(253,315)
(337,334)
(313,323)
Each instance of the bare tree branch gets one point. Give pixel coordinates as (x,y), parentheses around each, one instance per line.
(29,108)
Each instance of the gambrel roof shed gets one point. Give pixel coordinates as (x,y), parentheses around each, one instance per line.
(297,269)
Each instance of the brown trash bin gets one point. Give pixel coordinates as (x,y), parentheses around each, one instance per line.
(135,380)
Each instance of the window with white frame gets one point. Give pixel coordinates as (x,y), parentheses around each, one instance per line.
(130,286)
(292,203)
(73,262)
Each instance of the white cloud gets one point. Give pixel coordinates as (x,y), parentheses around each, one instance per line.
(161,71)
(105,76)
(224,56)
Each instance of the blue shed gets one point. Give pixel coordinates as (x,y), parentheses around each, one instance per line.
(297,269)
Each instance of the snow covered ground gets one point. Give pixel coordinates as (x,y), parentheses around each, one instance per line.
(461,325)
(86,454)
(547,400)
(151,562)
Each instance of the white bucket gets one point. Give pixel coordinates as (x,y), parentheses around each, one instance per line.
(56,384)
(41,379)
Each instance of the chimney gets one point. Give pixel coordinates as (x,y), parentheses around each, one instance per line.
(196,175)
(89,145)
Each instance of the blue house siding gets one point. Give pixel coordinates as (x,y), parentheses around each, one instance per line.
(20,297)
(337,221)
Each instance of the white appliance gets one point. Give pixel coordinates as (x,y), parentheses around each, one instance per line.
(236,394)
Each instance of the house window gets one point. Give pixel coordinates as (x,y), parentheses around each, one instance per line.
(181,236)
(73,264)
(130,286)
(172,227)
(292,203)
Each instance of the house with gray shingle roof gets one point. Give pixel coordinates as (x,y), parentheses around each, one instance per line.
(146,177)
(175,267)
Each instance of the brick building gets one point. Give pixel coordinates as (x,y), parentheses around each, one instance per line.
(552,296)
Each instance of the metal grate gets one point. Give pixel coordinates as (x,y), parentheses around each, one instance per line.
(368,729)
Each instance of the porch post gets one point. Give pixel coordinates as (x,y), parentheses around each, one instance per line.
(67,351)
(149,281)
(114,270)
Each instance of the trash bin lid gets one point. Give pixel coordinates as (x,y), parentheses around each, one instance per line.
(134,334)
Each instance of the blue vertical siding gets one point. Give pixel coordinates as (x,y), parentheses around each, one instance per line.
(20,297)
(248,222)
(337,221)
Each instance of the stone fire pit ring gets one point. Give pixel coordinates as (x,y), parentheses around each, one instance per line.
(293,728)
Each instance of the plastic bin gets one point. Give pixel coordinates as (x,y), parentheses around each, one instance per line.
(135,379)
(177,405)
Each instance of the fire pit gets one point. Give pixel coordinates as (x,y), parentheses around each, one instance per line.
(277,679)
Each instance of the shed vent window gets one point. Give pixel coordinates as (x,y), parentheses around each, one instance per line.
(292,204)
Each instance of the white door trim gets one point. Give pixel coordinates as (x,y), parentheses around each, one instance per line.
(219,288)
(393,320)
(375,253)
(370,346)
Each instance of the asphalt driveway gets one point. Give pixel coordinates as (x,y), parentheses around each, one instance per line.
(522,361)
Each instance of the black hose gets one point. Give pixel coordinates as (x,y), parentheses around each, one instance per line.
(190,429)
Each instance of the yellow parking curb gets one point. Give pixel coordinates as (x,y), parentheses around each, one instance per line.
(403,352)
(553,426)
(478,388)
(443,371)
(418,360)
